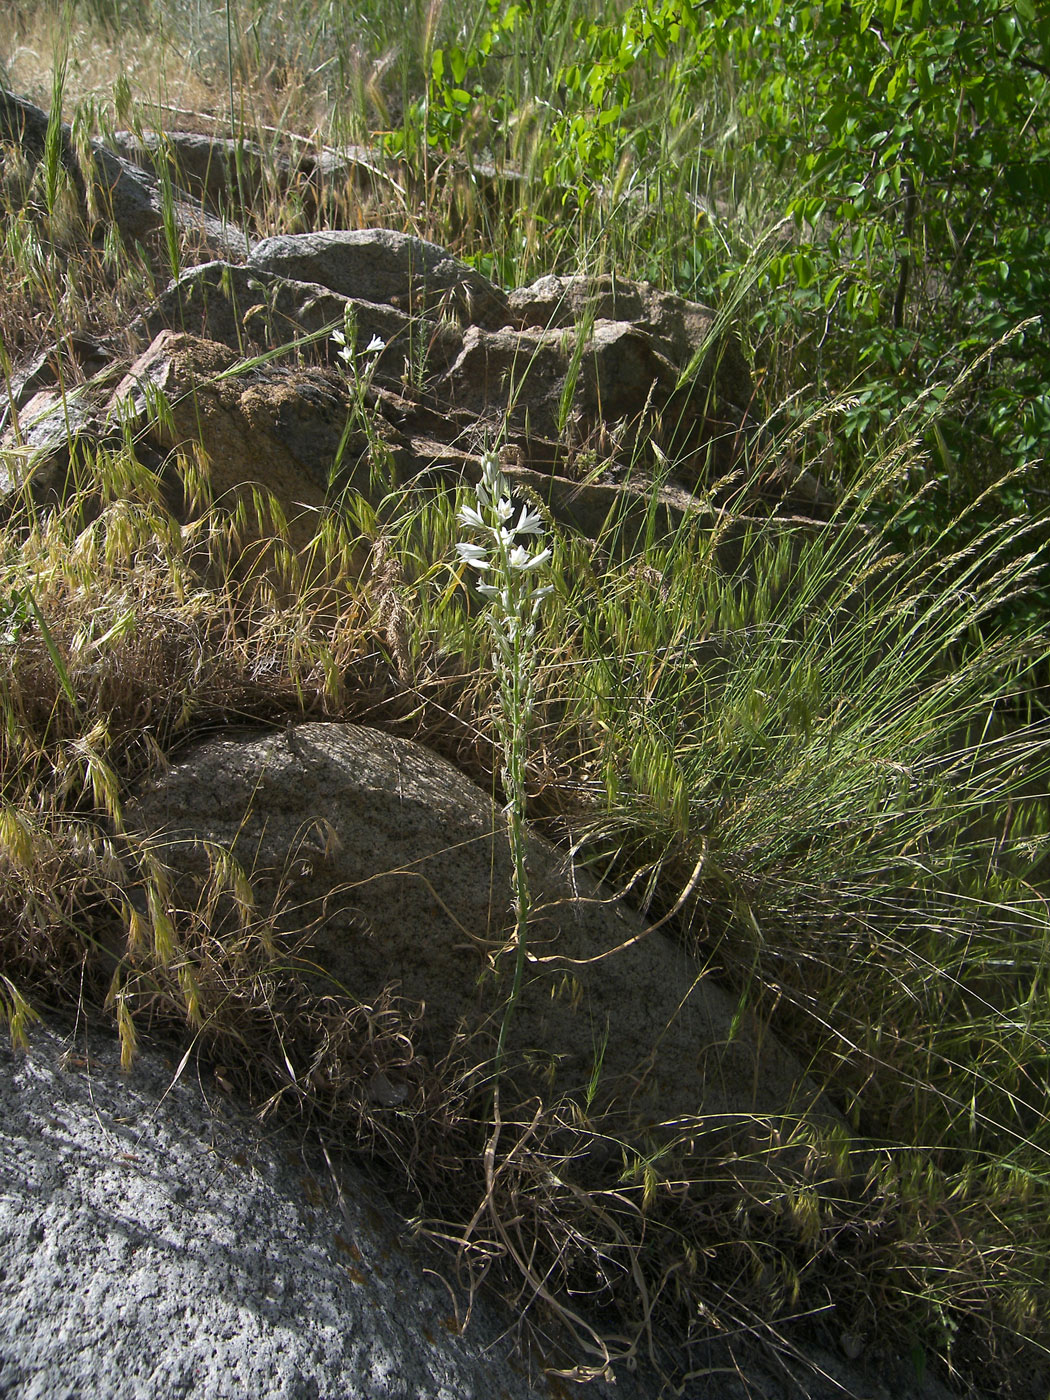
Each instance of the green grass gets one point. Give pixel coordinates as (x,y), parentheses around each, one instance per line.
(822,752)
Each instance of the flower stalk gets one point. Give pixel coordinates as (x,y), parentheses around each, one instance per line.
(510,579)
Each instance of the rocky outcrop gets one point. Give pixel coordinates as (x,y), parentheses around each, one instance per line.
(591,383)
(584,381)
(575,397)
(382,870)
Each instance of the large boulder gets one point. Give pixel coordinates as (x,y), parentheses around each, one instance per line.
(387,867)
(155,1243)
(548,368)
(556,385)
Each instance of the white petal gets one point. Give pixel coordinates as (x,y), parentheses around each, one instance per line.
(529,523)
(469,516)
(375,345)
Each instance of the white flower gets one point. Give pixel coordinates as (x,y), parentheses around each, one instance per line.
(510,569)
(345,353)
(520,558)
(529,523)
(473,554)
(511,588)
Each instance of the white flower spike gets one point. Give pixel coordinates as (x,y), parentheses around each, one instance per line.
(511,569)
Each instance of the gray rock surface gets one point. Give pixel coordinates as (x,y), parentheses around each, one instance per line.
(222,170)
(247,309)
(678,329)
(39,445)
(579,379)
(519,378)
(383,265)
(153,1244)
(281,430)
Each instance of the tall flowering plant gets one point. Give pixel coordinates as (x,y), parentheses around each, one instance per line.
(361,366)
(510,559)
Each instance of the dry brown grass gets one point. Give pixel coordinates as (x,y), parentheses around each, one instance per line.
(101,61)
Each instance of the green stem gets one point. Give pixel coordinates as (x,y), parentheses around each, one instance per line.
(515,728)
